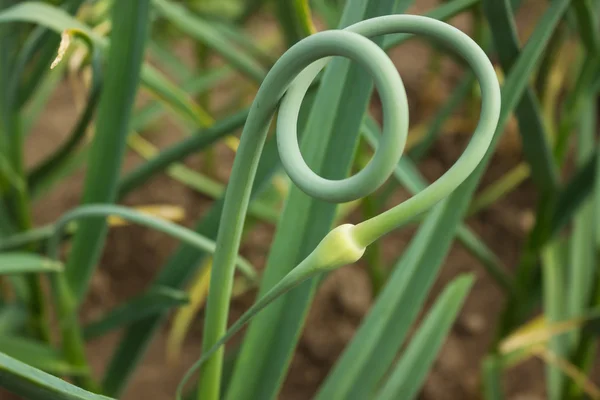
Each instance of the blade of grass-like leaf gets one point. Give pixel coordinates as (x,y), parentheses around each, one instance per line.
(57,160)
(294,23)
(587,21)
(539,331)
(130,22)
(437,122)
(442,13)
(574,103)
(408,375)
(140,121)
(580,279)
(45,15)
(536,148)
(12,318)
(70,166)
(55,232)
(491,194)
(583,354)
(328,12)
(33,109)
(177,99)
(569,370)
(27,263)
(251,7)
(182,320)
(193,86)
(34,384)
(492,371)
(156,300)
(544,84)
(554,310)
(172,64)
(39,49)
(574,193)
(271,336)
(202,31)
(515,308)
(245,41)
(436,232)
(36,354)
(180,150)
(158,224)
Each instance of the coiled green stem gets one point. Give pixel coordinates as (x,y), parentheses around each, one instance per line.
(285,87)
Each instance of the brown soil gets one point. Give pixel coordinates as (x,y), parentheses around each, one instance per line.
(133,255)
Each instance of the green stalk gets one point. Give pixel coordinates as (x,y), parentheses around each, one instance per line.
(369,206)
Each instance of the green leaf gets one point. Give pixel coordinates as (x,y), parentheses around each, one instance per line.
(27,263)
(574,193)
(492,371)
(444,12)
(410,372)
(36,354)
(34,384)
(156,300)
(12,318)
(294,24)
(38,51)
(204,32)
(534,138)
(57,161)
(554,274)
(582,265)
(445,111)
(175,98)
(180,150)
(587,22)
(112,126)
